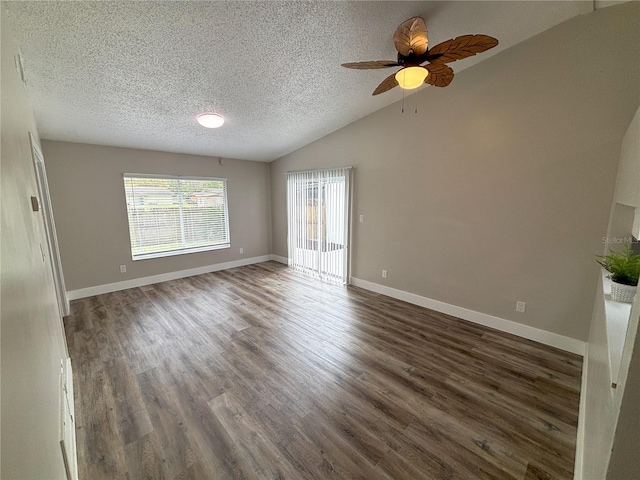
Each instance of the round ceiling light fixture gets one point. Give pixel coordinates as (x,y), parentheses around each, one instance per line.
(411,77)
(210,120)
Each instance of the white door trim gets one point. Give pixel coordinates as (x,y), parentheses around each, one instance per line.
(50,227)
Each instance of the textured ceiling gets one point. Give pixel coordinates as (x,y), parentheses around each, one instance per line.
(136,74)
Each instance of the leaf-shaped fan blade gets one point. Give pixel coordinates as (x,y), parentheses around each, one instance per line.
(387,84)
(411,36)
(440,75)
(371,64)
(460,47)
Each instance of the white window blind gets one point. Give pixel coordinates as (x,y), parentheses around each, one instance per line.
(175,215)
(318,222)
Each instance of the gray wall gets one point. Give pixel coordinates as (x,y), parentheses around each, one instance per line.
(32,340)
(88,200)
(625,461)
(499,188)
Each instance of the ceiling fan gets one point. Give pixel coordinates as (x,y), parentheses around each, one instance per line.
(411,41)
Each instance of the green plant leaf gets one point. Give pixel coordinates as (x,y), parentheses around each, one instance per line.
(624,266)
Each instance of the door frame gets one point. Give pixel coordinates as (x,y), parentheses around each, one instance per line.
(49,227)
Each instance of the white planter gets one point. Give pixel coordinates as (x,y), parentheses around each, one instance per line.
(622,293)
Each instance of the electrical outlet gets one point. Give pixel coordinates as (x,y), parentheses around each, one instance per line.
(361,218)
(520,306)
(123,269)
(241,250)
(384,274)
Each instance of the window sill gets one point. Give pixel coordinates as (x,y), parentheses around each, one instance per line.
(617,320)
(173,253)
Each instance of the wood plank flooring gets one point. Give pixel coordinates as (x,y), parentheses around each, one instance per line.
(262,373)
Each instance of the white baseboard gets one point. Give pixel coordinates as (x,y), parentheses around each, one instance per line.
(278,258)
(582,419)
(542,336)
(163,277)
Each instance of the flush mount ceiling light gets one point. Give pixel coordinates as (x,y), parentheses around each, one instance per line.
(210,120)
(411,42)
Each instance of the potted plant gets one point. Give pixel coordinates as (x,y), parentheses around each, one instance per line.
(624,268)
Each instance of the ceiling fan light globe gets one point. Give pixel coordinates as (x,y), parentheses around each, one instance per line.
(411,77)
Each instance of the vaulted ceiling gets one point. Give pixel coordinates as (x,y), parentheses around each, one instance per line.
(136,74)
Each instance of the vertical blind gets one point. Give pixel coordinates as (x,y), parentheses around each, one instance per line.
(175,215)
(318,222)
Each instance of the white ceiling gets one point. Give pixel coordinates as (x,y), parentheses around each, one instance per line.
(136,74)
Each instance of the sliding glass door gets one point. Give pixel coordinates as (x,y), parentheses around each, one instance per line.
(318,221)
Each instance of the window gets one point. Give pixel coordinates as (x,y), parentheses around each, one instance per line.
(175,215)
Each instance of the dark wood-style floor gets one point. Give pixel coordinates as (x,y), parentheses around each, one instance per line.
(262,373)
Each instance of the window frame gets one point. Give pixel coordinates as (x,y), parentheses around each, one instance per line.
(184,251)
